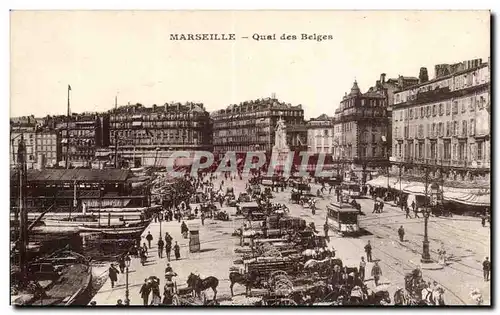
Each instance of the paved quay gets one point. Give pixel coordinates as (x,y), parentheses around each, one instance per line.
(463,238)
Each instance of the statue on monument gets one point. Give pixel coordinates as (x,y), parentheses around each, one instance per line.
(280,136)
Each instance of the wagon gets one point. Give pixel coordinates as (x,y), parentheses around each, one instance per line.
(185,296)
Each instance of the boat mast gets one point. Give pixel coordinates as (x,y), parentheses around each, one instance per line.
(67,131)
(23,237)
(116,132)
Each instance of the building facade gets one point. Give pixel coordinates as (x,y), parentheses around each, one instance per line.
(445,122)
(147,135)
(361,125)
(320,135)
(86,132)
(250,126)
(43,147)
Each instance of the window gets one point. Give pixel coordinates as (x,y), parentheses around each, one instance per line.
(447,150)
(411,113)
(428,111)
(472,127)
(420,150)
(325,132)
(447,129)
(455,128)
(374,151)
(455,107)
(433,130)
(480,150)
(464,128)
(422,112)
(441,110)
(461,151)
(471,104)
(433,110)
(463,105)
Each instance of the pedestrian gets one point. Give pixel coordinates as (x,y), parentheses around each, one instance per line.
(144,292)
(368,251)
(168,249)
(381,207)
(362,268)
(375,207)
(121,263)
(483,220)
(113,274)
(401,232)
(202,218)
(177,251)
(376,273)
(161,243)
(149,238)
(486,269)
(326,228)
(407,210)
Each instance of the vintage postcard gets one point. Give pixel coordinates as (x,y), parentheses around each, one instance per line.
(250,158)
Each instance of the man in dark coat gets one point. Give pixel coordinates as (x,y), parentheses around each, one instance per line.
(113,274)
(144,292)
(177,251)
(486,269)
(368,251)
(121,263)
(161,244)
(149,238)
(401,233)
(376,273)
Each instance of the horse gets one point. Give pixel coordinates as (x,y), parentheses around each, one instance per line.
(437,298)
(313,264)
(198,285)
(248,280)
(379,298)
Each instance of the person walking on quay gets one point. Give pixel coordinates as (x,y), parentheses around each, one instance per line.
(483,220)
(407,211)
(376,273)
(362,268)
(401,233)
(113,275)
(202,216)
(368,251)
(486,269)
(149,238)
(161,244)
(144,292)
(168,248)
(177,251)
(121,263)
(326,228)
(375,207)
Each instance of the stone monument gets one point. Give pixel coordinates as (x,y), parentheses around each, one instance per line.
(280,148)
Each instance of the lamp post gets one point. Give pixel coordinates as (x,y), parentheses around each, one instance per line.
(127,265)
(426,257)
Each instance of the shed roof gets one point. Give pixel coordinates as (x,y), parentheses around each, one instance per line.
(79,175)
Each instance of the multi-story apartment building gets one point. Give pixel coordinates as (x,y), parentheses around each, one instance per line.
(320,132)
(43,148)
(446,121)
(250,126)
(87,132)
(147,135)
(360,128)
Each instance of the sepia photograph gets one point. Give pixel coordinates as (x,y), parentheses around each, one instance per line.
(250,158)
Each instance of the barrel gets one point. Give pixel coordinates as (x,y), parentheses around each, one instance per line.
(194,241)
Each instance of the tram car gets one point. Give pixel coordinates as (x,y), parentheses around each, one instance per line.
(343,218)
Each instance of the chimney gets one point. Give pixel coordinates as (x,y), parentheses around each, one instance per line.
(166,107)
(382,78)
(423,76)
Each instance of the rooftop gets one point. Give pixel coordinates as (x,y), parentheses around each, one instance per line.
(79,175)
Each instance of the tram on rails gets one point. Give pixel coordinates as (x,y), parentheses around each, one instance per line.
(343,218)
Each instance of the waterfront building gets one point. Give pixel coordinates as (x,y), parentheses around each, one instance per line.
(250,126)
(148,135)
(445,123)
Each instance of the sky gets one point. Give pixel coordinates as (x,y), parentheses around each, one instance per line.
(129,54)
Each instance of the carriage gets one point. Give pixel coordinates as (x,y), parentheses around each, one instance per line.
(244,197)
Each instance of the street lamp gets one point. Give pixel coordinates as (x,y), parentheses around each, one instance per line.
(127,265)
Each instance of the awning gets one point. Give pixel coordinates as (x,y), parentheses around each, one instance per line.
(136,123)
(416,189)
(382,182)
(471,199)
